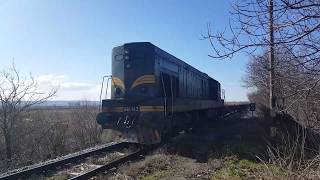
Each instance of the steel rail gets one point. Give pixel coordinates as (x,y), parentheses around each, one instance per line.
(52,164)
(112,164)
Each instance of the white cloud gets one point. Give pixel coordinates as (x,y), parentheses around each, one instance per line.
(51,80)
(68,89)
(76,85)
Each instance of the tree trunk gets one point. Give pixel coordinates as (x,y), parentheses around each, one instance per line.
(272,98)
(7,139)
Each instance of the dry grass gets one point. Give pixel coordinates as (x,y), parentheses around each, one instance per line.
(292,156)
(234,149)
(48,133)
(157,163)
(166,166)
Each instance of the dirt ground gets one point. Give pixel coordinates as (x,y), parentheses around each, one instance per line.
(230,149)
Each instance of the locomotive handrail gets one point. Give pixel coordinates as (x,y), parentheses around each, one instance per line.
(223,94)
(102,83)
(165,96)
(106,94)
(171,95)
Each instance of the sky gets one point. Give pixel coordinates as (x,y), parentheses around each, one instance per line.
(67,44)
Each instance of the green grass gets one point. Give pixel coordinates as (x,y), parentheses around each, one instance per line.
(158,175)
(58,177)
(236,169)
(232,168)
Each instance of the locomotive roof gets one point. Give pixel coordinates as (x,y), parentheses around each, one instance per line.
(168,54)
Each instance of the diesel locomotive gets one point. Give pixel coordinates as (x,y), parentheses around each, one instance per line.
(154,94)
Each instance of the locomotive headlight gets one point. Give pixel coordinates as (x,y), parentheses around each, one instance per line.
(126,51)
(126,57)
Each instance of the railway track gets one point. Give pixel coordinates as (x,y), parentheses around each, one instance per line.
(53,167)
(110,165)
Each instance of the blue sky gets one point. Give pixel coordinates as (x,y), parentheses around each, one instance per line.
(68,43)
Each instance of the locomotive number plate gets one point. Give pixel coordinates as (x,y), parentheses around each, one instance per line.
(131,109)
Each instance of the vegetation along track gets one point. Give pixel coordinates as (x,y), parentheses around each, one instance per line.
(59,164)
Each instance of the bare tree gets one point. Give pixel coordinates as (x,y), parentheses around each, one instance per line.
(17,95)
(298,88)
(85,130)
(266,25)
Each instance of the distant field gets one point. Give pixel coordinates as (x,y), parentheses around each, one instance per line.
(50,131)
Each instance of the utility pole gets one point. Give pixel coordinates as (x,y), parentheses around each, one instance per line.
(272,98)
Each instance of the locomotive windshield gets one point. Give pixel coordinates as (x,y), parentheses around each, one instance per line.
(132,72)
